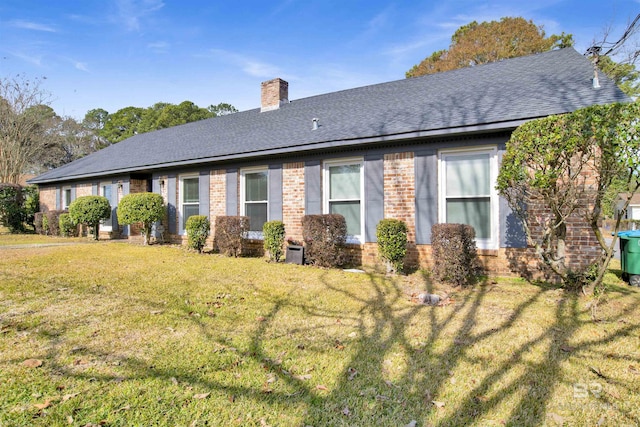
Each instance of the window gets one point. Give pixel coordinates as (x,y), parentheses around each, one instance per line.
(467,192)
(254,196)
(105,191)
(189,198)
(66,197)
(343,189)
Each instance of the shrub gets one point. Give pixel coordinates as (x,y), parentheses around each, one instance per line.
(90,210)
(197,228)
(68,227)
(30,204)
(273,232)
(392,243)
(52,221)
(453,251)
(11,212)
(38,224)
(230,233)
(324,239)
(141,208)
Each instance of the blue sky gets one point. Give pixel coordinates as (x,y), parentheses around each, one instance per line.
(116,53)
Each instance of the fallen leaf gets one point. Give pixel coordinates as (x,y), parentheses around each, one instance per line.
(201,395)
(438,404)
(567,348)
(44,405)
(69,419)
(633,369)
(263,423)
(412,423)
(351,374)
(322,387)
(69,396)
(302,377)
(481,398)
(156,312)
(597,372)
(173,380)
(346,411)
(261,318)
(339,345)
(32,363)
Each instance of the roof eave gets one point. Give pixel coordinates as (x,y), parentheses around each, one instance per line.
(451,131)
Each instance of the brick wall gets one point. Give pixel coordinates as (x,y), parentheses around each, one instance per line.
(293,197)
(47,198)
(217,198)
(83,190)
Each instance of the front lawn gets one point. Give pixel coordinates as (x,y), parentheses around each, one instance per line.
(117,334)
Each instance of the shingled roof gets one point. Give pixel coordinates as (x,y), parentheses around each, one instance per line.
(489,97)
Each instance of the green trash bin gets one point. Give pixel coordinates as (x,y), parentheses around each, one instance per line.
(630,255)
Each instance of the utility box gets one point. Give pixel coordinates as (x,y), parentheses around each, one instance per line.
(294,255)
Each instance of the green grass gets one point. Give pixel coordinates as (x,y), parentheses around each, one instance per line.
(132,335)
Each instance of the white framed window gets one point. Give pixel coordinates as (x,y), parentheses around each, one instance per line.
(66,197)
(254,198)
(467,194)
(343,188)
(105,190)
(189,199)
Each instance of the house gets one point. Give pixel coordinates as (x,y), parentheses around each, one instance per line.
(423,150)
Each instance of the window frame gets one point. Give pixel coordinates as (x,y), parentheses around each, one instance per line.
(63,192)
(326,192)
(181,203)
(255,234)
(493,241)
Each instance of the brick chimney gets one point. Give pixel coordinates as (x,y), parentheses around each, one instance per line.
(274,94)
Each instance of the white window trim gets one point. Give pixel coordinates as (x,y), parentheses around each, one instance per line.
(256,235)
(181,203)
(357,238)
(493,242)
(63,191)
(101,186)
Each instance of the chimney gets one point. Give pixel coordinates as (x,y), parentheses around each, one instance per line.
(274,94)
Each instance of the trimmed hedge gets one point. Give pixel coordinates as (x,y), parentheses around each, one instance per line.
(141,208)
(90,210)
(230,232)
(12,214)
(392,243)
(454,255)
(273,232)
(324,239)
(30,203)
(197,228)
(68,227)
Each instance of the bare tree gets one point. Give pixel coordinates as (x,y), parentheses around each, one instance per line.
(23,116)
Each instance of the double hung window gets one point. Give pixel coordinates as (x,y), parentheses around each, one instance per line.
(467,192)
(254,196)
(189,198)
(343,190)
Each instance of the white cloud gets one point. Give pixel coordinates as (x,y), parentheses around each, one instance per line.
(31,59)
(34,26)
(159,47)
(131,12)
(82,66)
(249,65)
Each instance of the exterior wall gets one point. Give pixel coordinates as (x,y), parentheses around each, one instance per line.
(293,198)
(83,190)
(47,198)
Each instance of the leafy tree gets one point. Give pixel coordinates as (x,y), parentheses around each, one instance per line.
(30,204)
(90,210)
(565,166)
(95,121)
(481,43)
(11,212)
(624,75)
(141,208)
(222,109)
(122,124)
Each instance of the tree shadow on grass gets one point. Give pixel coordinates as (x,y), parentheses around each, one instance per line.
(402,362)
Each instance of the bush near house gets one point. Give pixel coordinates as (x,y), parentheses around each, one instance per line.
(51,222)
(230,234)
(30,203)
(392,243)
(273,232)
(11,212)
(324,239)
(38,222)
(455,259)
(141,208)
(90,210)
(197,227)
(67,226)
